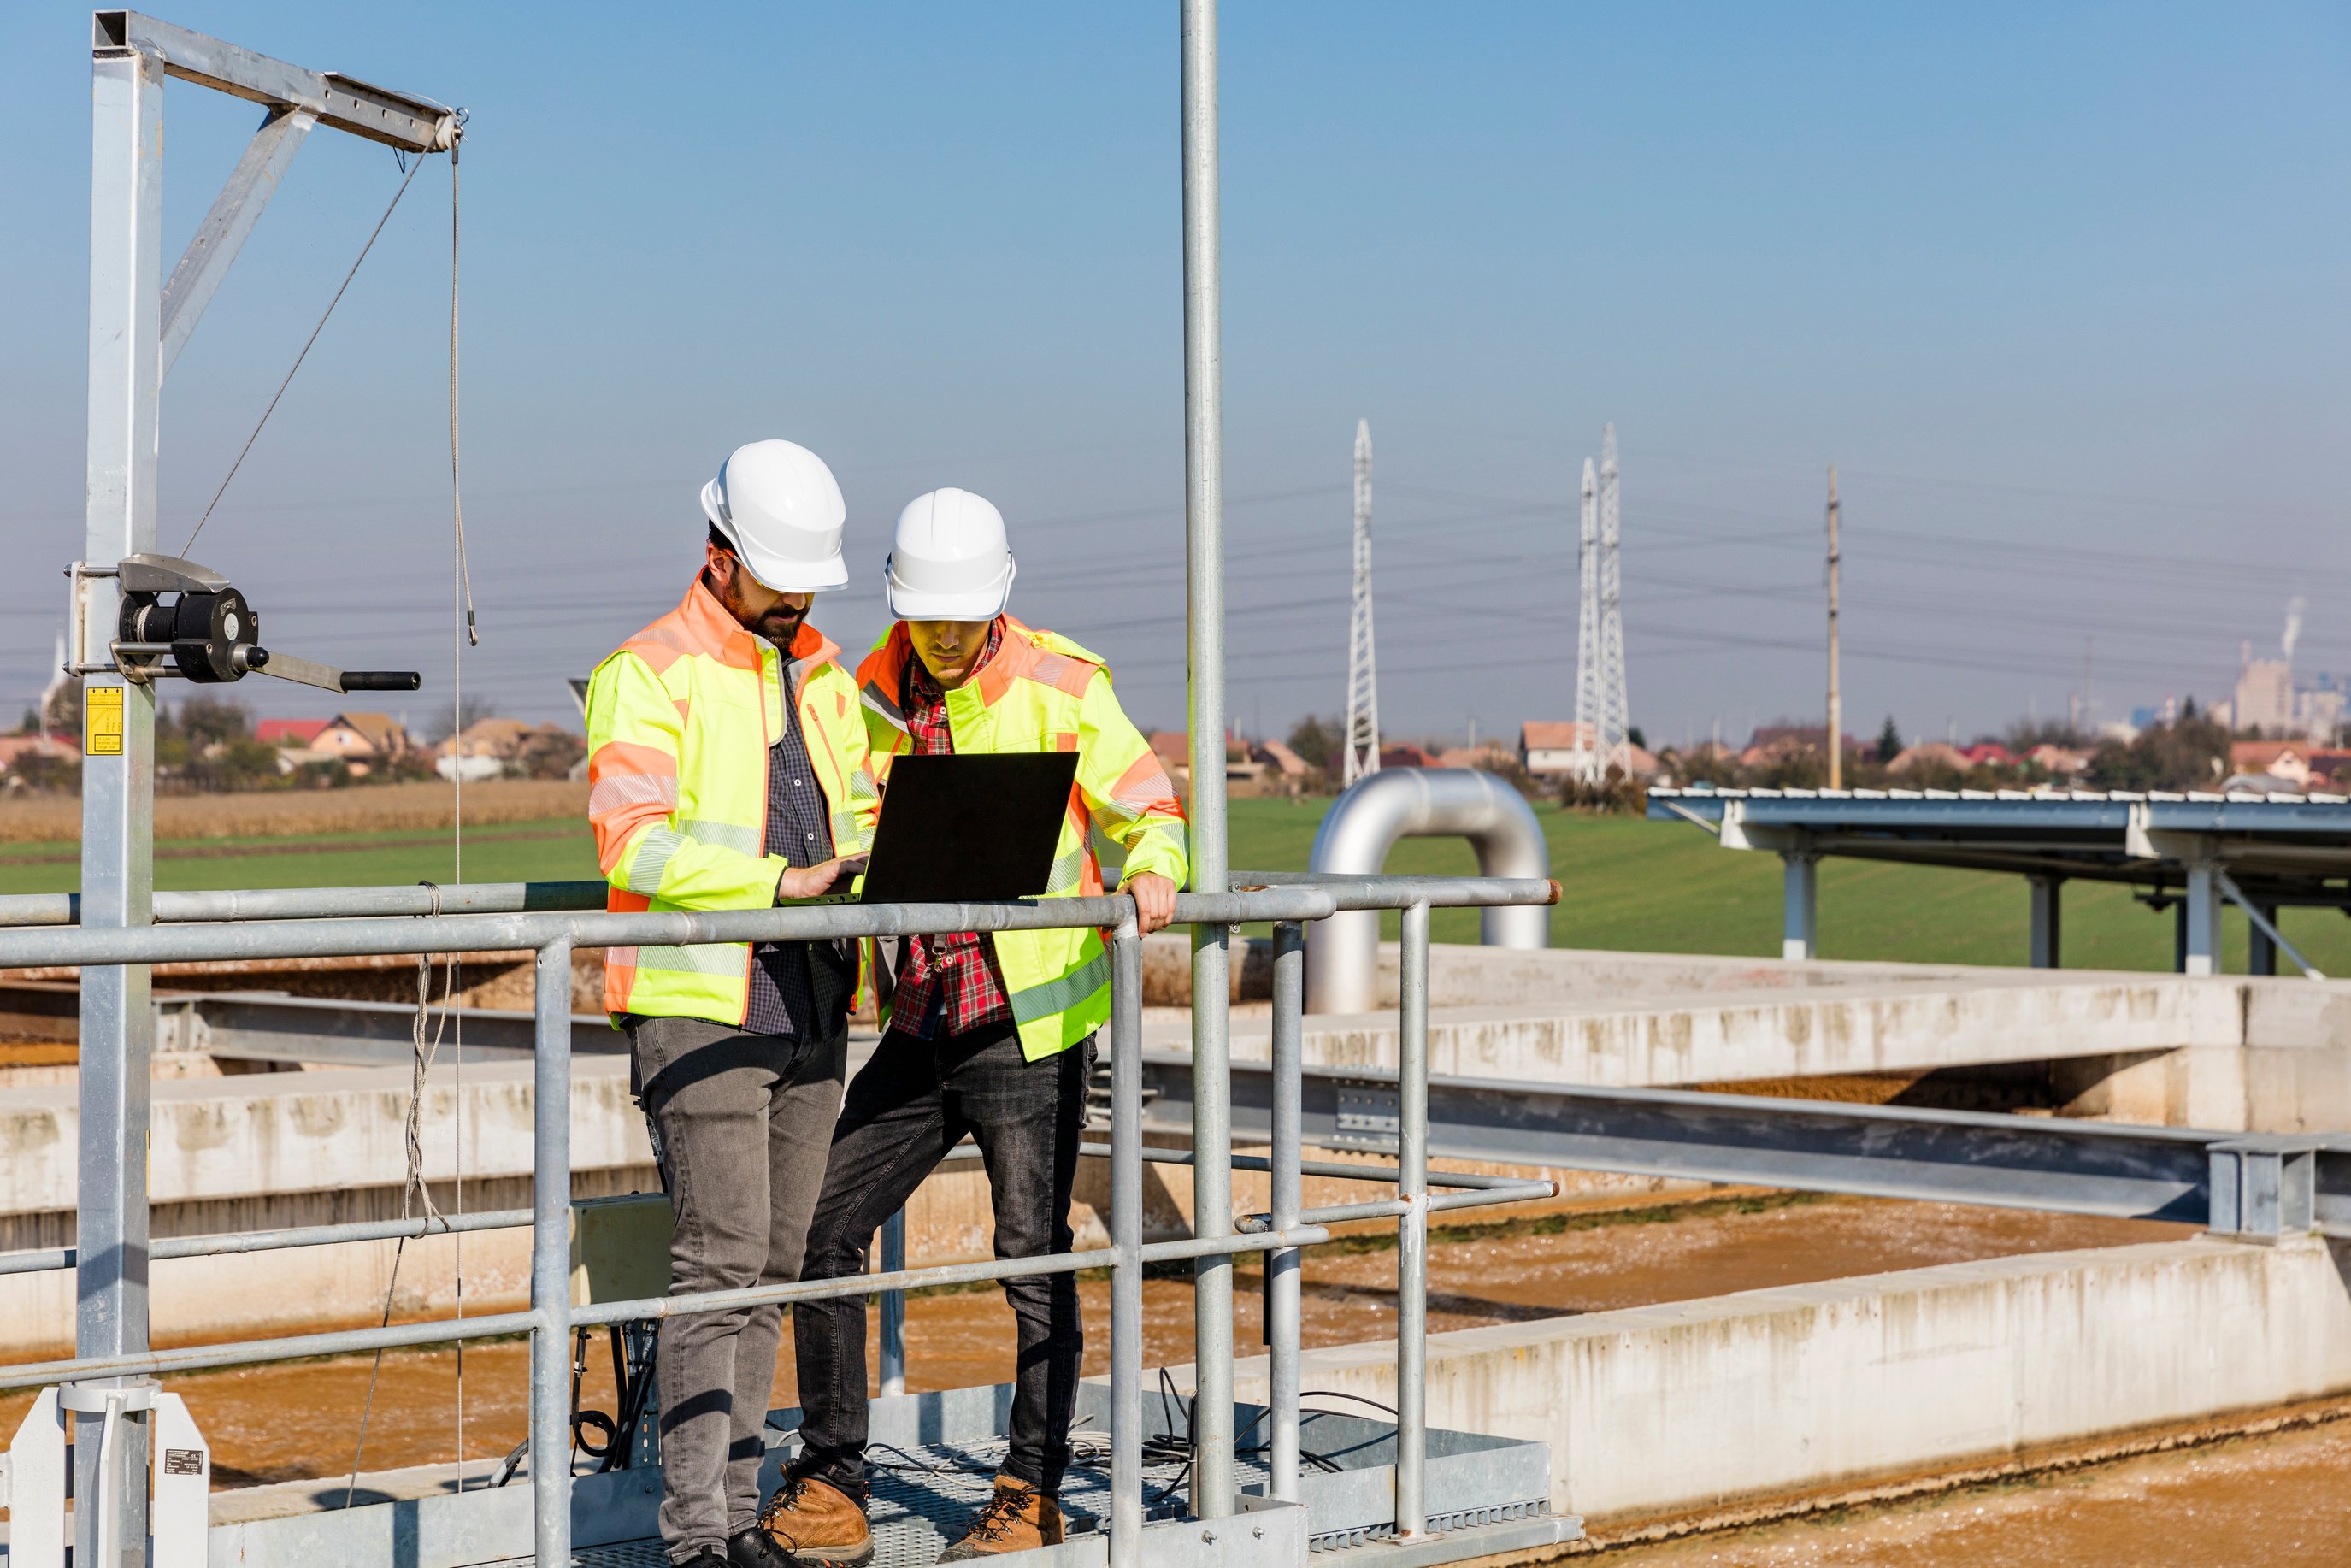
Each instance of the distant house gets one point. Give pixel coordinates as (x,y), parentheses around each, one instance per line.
(1549,747)
(2057,760)
(2277,759)
(1989,754)
(483,749)
(13,749)
(289,731)
(1931,753)
(1487,756)
(361,740)
(1403,754)
(1290,764)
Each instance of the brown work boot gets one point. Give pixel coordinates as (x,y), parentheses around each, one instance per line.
(1018,1517)
(818,1522)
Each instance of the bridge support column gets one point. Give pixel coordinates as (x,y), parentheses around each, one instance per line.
(2046,905)
(2260,952)
(1800,903)
(2200,948)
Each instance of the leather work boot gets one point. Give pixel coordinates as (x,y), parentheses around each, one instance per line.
(755,1548)
(817,1523)
(1018,1517)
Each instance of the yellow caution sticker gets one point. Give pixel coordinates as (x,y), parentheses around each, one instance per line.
(101,713)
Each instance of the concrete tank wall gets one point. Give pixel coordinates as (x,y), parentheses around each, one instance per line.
(1697,1406)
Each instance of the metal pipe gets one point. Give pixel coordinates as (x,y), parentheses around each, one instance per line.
(253,1353)
(1353,891)
(550,1256)
(1336,1169)
(1282,1269)
(500,933)
(1412,1226)
(893,1307)
(324,903)
(1126,1237)
(1392,1207)
(1364,824)
(2263,924)
(1213,1488)
(44,1261)
(21,909)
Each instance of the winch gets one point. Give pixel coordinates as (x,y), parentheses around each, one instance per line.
(182,619)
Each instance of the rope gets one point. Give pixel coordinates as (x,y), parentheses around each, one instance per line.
(313,338)
(464,594)
(421,1055)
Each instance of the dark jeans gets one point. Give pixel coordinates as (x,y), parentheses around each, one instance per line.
(742,1124)
(911,1103)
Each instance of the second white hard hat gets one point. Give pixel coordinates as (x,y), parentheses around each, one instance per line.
(949,560)
(781,506)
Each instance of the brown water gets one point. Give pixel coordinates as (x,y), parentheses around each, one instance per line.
(2280,1498)
(301,1421)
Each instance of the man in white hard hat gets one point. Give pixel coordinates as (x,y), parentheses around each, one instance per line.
(728,768)
(989,1035)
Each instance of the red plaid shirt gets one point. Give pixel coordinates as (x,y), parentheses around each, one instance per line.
(947,983)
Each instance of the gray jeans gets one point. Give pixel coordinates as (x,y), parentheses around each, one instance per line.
(742,1124)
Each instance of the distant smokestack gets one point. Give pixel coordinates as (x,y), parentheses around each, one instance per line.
(2293,610)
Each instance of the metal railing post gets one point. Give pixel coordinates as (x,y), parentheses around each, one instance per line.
(1126,1236)
(551,1257)
(893,1307)
(1281,1299)
(1412,1226)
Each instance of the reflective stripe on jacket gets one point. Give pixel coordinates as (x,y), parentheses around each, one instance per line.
(1044,692)
(679,723)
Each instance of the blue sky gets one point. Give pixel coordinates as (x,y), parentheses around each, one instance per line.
(2061,290)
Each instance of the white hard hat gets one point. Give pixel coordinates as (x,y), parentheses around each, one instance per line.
(782,507)
(950,561)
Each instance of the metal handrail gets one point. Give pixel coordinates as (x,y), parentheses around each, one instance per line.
(551,1317)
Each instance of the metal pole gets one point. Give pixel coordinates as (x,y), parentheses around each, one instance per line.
(118,1018)
(1282,1281)
(2048,920)
(1204,514)
(551,1257)
(894,1306)
(1126,1236)
(1412,1228)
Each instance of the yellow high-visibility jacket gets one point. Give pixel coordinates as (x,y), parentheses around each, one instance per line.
(679,723)
(1044,692)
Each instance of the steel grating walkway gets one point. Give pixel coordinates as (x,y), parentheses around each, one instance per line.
(921,1497)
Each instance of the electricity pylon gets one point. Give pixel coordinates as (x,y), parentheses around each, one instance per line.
(1363,684)
(1614,716)
(1587,628)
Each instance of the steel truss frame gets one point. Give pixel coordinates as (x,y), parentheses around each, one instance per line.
(138,325)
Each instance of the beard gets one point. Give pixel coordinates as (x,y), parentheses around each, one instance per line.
(780,625)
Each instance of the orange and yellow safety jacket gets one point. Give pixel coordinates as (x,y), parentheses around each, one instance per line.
(679,723)
(1044,692)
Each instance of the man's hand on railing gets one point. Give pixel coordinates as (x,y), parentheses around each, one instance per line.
(1155,900)
(813,880)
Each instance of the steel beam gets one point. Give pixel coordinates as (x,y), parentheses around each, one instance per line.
(2047,917)
(1944,1157)
(1800,905)
(395,118)
(236,210)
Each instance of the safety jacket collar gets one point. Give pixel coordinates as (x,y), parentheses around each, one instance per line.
(882,677)
(710,629)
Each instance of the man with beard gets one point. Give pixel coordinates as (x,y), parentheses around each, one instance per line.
(727,770)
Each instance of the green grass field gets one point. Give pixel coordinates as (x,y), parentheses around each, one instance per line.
(1631,884)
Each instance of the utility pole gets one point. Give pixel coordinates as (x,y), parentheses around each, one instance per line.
(1836,698)
(1587,627)
(1363,684)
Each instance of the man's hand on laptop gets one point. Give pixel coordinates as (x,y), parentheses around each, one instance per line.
(1155,900)
(811,881)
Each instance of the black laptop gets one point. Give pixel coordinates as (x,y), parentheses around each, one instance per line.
(958,828)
